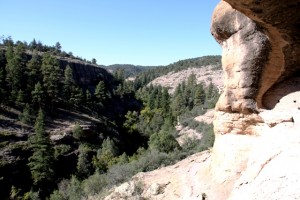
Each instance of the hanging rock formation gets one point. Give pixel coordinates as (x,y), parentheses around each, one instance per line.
(258,112)
(261,52)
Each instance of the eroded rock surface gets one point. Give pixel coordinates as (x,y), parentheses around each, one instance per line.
(260,59)
(258,113)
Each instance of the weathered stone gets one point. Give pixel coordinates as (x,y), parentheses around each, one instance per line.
(245,51)
(260,56)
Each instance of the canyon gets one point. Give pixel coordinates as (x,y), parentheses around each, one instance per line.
(257,118)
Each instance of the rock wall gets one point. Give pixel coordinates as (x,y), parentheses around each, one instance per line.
(258,112)
(261,59)
(87,75)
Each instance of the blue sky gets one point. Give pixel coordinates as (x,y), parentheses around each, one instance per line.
(141,32)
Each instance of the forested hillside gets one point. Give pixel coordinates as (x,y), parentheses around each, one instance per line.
(69,129)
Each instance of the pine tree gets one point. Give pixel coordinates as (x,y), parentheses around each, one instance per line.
(88,96)
(25,116)
(94,61)
(199,95)
(41,161)
(57,47)
(165,102)
(192,81)
(69,82)
(33,44)
(38,95)
(20,98)
(2,76)
(100,92)
(77,96)
(15,69)
(84,165)
(178,104)
(33,69)
(105,155)
(51,76)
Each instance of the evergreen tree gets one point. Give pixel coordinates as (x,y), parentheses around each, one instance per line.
(51,76)
(77,96)
(119,74)
(20,98)
(178,105)
(41,161)
(88,96)
(33,70)
(15,69)
(69,82)
(25,116)
(2,85)
(105,155)
(33,44)
(2,76)
(158,97)
(38,95)
(72,93)
(165,102)
(163,142)
(94,61)
(199,95)
(84,165)
(100,92)
(57,47)
(191,81)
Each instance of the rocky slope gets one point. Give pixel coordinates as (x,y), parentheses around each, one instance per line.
(257,118)
(206,75)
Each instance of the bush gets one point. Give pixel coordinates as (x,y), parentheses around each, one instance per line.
(193,124)
(95,184)
(163,142)
(77,131)
(120,173)
(152,160)
(61,149)
(68,189)
(56,196)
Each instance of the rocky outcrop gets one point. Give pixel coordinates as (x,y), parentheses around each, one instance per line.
(260,49)
(85,74)
(258,111)
(204,75)
(261,52)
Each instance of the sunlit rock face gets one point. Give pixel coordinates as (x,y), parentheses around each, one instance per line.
(261,53)
(259,110)
(245,53)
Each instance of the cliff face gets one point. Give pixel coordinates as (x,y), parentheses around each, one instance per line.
(86,75)
(261,52)
(258,112)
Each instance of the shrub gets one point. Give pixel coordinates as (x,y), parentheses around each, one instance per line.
(61,149)
(84,164)
(77,131)
(163,142)
(56,196)
(95,184)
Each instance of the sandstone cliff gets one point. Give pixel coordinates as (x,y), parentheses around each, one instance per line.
(257,118)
